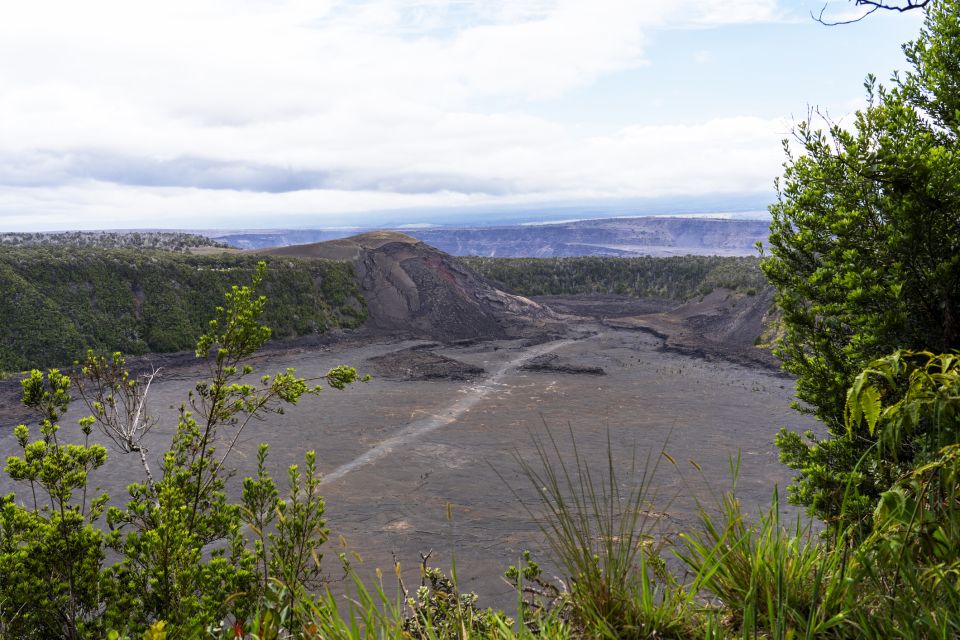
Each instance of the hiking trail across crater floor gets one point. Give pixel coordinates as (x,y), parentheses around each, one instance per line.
(447,416)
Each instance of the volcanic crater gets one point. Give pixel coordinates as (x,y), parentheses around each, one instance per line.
(467,378)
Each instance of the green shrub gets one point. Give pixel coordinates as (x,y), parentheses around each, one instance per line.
(183,557)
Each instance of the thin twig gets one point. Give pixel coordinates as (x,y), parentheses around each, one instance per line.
(874,6)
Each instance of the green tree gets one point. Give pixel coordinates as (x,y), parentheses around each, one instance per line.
(50,552)
(184,558)
(865,251)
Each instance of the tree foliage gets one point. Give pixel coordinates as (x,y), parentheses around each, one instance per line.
(676,277)
(177,241)
(865,246)
(184,555)
(60,302)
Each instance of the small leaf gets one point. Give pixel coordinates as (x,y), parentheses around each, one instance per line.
(891,507)
(870,403)
(853,411)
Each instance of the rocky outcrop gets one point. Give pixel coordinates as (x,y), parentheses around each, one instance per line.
(412,288)
(551,363)
(422,364)
(723,323)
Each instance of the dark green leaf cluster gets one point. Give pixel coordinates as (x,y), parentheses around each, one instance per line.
(59,302)
(675,277)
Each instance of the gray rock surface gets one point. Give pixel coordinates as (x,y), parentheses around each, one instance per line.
(415,289)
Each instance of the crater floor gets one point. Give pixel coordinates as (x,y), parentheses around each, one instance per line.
(396,452)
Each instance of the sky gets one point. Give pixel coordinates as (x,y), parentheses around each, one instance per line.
(207,114)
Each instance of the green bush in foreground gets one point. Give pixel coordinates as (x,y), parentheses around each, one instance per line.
(188,559)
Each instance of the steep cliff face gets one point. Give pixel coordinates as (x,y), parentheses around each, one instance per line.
(722,323)
(411,287)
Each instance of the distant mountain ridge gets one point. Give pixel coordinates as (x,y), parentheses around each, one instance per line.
(621,237)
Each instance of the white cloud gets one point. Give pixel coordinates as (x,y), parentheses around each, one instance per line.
(720,156)
(702,57)
(183,109)
(719,12)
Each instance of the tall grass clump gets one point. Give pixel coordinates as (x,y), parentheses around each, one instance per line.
(764,577)
(604,538)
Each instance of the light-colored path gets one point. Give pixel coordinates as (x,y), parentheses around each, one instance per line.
(444,417)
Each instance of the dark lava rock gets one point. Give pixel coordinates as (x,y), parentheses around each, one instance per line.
(542,338)
(549,363)
(420,364)
(722,324)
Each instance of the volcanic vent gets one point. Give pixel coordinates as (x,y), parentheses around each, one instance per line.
(411,287)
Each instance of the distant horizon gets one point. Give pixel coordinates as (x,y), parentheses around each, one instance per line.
(724,215)
(741,206)
(292,114)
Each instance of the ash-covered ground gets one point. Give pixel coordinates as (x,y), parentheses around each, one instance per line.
(396,451)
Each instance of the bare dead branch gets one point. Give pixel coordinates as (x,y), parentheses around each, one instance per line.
(119,407)
(871,6)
